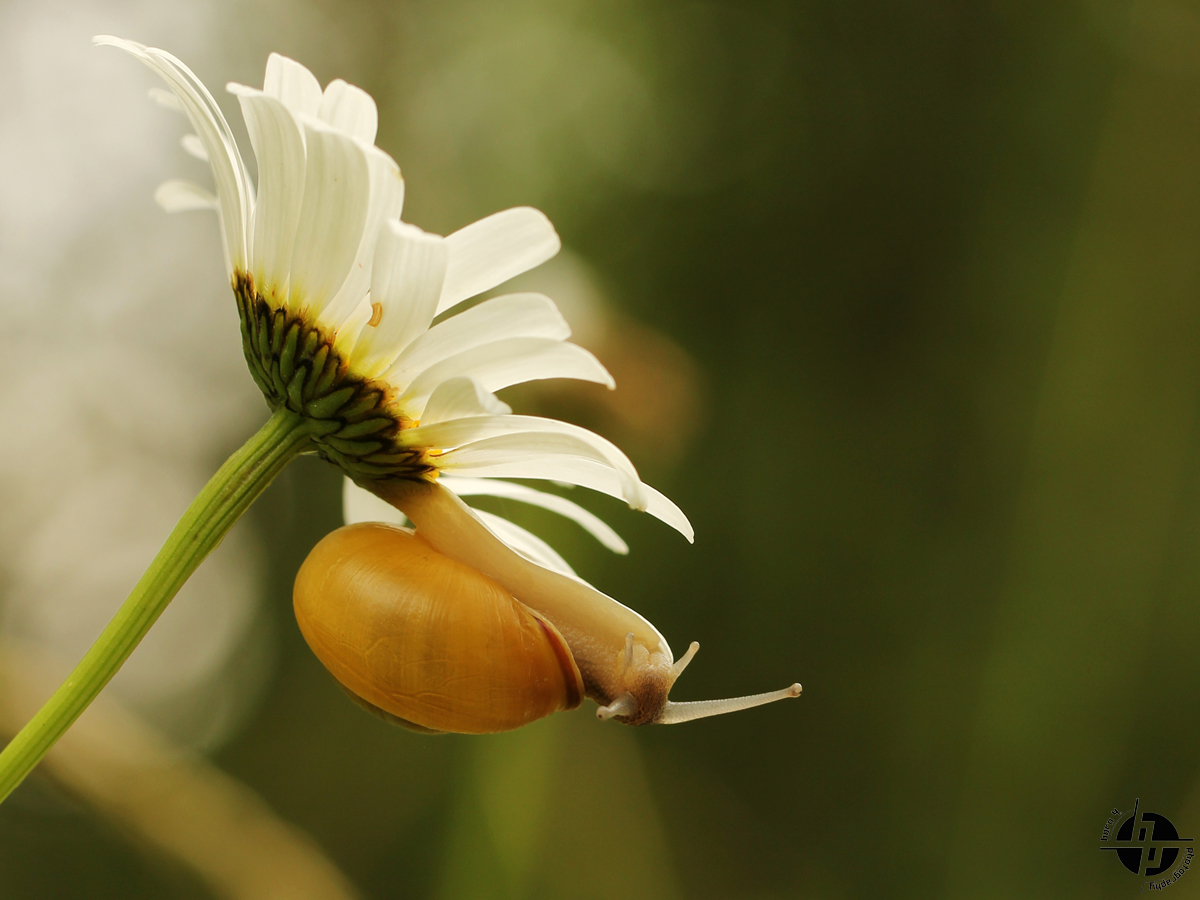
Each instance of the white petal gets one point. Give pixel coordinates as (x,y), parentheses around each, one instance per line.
(490,487)
(406,280)
(514,315)
(502,363)
(360,505)
(527,433)
(350,110)
(279,149)
(495,249)
(293,85)
(193,146)
(462,397)
(232,180)
(165,98)
(571,470)
(182,196)
(514,448)
(345,339)
(529,545)
(387,199)
(332,216)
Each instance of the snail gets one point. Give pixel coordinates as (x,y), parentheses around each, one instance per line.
(426,628)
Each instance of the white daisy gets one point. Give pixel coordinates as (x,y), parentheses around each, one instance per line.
(338,298)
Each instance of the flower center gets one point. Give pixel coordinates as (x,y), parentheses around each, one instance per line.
(295,366)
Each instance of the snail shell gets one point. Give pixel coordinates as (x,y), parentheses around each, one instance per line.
(428,640)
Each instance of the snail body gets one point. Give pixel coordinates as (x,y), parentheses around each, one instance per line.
(363,586)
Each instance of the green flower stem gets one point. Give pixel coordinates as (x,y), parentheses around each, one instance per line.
(229,494)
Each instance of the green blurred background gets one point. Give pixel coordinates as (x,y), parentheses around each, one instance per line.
(921,281)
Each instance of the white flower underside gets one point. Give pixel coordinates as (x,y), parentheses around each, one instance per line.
(318,244)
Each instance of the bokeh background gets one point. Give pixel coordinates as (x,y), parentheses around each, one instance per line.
(903,302)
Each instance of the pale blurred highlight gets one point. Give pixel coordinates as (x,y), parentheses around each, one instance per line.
(169,797)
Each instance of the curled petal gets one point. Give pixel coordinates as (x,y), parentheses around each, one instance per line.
(461,398)
(406,278)
(165,98)
(332,216)
(513,434)
(360,505)
(233,183)
(385,203)
(510,316)
(193,146)
(569,469)
(293,85)
(350,110)
(525,542)
(493,250)
(489,487)
(183,196)
(279,149)
(502,363)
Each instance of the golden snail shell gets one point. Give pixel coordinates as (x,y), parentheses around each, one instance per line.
(426,639)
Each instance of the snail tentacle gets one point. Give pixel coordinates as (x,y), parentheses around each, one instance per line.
(682,662)
(688,711)
(625,705)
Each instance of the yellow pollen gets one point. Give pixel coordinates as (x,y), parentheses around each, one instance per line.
(376,314)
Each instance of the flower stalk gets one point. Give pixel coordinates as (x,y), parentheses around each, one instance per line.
(221,503)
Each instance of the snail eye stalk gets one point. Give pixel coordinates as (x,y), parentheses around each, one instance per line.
(689,711)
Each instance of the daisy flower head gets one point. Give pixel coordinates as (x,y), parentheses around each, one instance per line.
(352,328)
(350,318)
